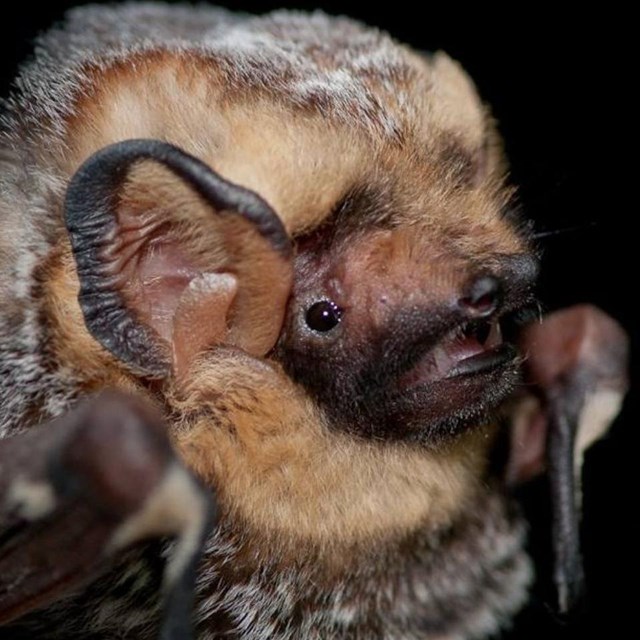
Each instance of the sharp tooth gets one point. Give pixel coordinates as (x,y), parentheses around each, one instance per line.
(441,359)
(458,333)
(495,335)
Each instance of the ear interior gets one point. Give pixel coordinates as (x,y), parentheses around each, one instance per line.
(200,319)
(166,271)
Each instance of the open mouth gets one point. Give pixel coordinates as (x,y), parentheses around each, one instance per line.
(458,382)
(471,348)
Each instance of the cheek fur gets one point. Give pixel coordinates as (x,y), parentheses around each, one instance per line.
(276,465)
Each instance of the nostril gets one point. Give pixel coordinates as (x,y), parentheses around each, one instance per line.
(483,297)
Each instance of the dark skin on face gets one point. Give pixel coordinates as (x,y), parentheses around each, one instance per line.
(422,348)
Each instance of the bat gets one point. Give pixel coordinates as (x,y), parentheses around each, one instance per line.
(268,318)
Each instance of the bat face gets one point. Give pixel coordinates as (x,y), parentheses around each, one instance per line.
(293,237)
(401,236)
(412,317)
(400,272)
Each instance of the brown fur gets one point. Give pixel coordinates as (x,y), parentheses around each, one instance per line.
(286,475)
(177,98)
(252,434)
(69,340)
(288,158)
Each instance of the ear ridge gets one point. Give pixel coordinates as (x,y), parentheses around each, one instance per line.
(460,109)
(461,104)
(135,261)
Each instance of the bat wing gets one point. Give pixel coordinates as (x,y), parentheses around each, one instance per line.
(576,375)
(78,490)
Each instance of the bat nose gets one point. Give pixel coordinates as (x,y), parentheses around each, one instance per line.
(482,298)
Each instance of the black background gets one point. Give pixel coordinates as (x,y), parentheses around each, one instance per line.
(556,85)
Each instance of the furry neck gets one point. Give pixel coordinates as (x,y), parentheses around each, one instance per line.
(460,583)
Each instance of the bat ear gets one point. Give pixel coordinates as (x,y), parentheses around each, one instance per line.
(576,369)
(172,258)
(459,108)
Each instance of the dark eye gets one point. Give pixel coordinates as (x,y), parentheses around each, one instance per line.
(323,316)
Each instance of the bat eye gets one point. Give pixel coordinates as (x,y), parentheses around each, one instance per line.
(323,315)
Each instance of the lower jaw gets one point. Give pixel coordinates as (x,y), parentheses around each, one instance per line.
(434,413)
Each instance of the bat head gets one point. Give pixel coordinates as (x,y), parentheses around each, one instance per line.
(307,276)
(374,259)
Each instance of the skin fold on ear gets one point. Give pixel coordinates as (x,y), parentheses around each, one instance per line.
(173,259)
(576,379)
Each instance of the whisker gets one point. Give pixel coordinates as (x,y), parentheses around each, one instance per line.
(557,232)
